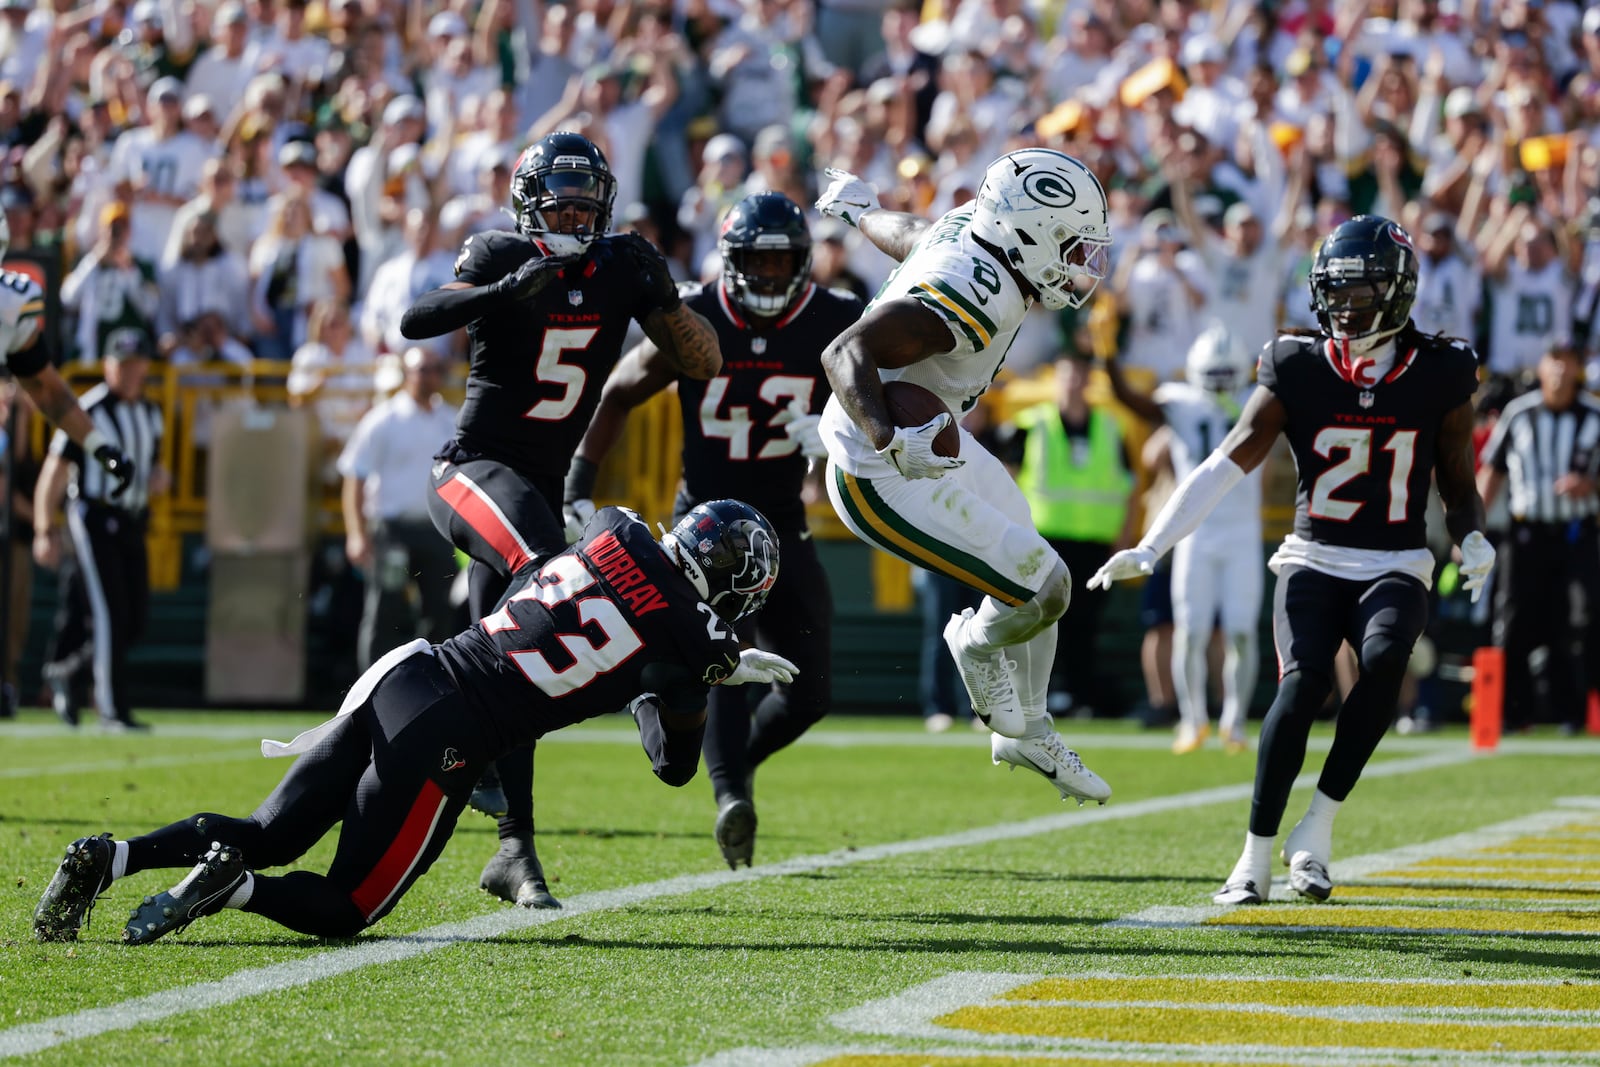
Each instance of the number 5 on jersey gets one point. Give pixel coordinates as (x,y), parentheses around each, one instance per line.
(569,376)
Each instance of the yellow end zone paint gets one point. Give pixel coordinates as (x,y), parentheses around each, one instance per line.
(1018,1058)
(1208,991)
(1218,1025)
(1416,920)
(1523,895)
(1500,865)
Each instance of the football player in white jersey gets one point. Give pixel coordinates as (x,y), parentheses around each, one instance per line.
(21,323)
(1218,568)
(1038,230)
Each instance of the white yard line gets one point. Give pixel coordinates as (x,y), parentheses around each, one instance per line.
(48,1033)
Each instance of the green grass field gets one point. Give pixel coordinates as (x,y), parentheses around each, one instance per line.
(911,904)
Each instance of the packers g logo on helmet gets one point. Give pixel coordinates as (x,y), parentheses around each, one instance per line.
(1049,189)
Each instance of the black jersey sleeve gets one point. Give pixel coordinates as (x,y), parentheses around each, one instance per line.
(488,257)
(1269,364)
(1459,364)
(30,361)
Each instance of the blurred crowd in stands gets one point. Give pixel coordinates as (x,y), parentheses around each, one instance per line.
(280,179)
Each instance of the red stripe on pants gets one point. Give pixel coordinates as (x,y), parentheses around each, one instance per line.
(465,501)
(402,854)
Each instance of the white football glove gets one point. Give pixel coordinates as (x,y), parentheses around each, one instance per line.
(762,668)
(1129,563)
(800,426)
(846,197)
(911,452)
(576,515)
(1477,560)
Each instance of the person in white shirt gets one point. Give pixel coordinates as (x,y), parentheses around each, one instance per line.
(1530,293)
(1218,570)
(1245,267)
(425,263)
(291,268)
(224,70)
(329,216)
(159,167)
(300,57)
(1449,286)
(205,277)
(388,535)
(1161,287)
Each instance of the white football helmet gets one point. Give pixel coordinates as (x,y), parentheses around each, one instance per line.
(1217,361)
(1046,212)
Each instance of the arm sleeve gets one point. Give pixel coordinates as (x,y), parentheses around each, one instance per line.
(1192,501)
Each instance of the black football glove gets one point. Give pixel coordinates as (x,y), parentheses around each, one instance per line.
(528,280)
(655,277)
(119,466)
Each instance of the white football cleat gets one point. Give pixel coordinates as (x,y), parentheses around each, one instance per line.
(1248,884)
(1049,757)
(987,677)
(1308,855)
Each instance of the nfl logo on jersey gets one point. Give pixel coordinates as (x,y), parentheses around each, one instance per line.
(574,297)
(1366,399)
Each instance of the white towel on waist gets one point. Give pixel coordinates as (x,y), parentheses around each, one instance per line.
(307,740)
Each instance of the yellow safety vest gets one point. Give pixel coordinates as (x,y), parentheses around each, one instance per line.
(1075,494)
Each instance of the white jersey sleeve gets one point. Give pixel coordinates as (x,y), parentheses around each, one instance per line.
(953,276)
(21,313)
(1199,420)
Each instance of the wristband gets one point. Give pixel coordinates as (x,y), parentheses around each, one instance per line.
(581,476)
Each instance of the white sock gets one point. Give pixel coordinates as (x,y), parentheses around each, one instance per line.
(1035,659)
(1315,830)
(995,625)
(241,895)
(119,859)
(1256,861)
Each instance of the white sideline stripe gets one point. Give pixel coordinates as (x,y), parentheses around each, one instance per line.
(48,1033)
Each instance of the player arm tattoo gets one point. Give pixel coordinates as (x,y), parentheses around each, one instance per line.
(51,395)
(895,334)
(686,341)
(1452,469)
(1259,425)
(895,233)
(638,376)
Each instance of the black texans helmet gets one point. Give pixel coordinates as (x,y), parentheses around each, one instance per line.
(729,551)
(762,225)
(1364,279)
(562,168)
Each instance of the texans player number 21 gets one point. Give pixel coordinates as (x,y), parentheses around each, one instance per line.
(1372,408)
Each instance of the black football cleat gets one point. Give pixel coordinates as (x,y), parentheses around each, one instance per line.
(515,876)
(202,892)
(83,875)
(736,831)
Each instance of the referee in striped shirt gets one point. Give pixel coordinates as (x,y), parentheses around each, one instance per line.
(107,594)
(1547,447)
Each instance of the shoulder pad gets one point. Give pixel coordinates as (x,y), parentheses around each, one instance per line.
(488,255)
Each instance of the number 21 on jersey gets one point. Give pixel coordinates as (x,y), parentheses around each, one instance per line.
(1356,444)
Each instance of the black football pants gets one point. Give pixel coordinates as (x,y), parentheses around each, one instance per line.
(503,520)
(397,771)
(1312,615)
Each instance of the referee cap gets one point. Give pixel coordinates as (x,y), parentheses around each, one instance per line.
(127,343)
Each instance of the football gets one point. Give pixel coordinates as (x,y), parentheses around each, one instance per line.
(912,405)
